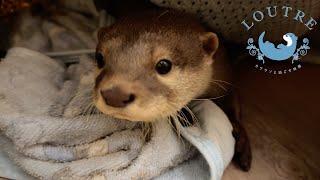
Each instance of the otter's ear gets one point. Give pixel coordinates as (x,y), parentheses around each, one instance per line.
(210,42)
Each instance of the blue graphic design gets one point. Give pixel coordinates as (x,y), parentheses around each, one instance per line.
(281,52)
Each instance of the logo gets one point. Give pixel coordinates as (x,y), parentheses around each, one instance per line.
(280,52)
(267,52)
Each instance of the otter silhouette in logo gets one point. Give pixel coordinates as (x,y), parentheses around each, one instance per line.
(281,52)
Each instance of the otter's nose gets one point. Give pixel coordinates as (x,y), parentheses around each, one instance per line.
(115,97)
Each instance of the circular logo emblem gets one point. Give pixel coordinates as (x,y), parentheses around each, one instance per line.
(267,52)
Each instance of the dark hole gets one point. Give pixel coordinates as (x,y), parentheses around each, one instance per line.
(131,99)
(2,54)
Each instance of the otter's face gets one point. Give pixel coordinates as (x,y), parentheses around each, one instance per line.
(152,76)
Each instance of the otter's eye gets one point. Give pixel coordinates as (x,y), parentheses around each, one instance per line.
(99,60)
(163,66)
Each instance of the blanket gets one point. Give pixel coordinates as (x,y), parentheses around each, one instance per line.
(51,130)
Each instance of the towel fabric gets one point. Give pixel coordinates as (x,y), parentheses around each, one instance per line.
(52,131)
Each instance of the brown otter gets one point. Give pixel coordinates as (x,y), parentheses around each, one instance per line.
(152,64)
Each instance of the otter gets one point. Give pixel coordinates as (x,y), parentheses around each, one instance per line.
(151,64)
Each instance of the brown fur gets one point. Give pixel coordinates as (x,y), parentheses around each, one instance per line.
(131,49)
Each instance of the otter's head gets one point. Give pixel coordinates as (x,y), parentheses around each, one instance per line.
(150,69)
(290,38)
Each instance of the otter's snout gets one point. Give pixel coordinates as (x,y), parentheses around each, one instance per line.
(116,97)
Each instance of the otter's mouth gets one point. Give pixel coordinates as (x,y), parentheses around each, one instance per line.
(184,115)
(116,112)
(146,114)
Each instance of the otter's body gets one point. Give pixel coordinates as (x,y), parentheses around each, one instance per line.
(152,64)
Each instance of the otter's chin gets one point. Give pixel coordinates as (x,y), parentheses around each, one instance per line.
(136,117)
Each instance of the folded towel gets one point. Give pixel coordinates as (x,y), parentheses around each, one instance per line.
(51,129)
